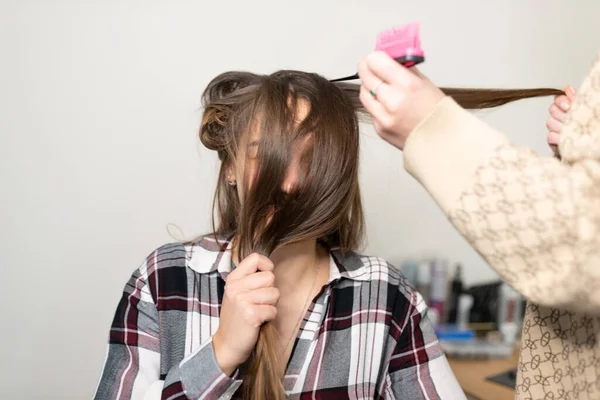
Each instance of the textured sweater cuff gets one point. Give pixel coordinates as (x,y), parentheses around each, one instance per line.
(446,148)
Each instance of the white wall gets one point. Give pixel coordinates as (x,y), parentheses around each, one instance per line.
(99,110)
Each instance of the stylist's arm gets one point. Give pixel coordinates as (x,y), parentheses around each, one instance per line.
(534,219)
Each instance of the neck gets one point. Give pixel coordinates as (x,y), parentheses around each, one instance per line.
(295,263)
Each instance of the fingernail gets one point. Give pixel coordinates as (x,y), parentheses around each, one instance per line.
(565,105)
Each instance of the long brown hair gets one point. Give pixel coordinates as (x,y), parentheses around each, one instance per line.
(326,203)
(470,99)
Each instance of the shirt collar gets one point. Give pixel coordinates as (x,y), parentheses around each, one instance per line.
(209,254)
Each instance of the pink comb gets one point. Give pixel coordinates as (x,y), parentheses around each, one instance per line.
(402,44)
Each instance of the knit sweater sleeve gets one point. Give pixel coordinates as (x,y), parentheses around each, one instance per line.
(534,219)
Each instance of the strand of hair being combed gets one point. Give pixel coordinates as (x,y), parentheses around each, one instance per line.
(468,98)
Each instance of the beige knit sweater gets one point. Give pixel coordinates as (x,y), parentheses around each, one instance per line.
(537,223)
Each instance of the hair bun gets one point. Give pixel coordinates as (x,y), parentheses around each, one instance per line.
(220,99)
(213,129)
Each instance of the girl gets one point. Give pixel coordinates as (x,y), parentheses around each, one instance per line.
(276,302)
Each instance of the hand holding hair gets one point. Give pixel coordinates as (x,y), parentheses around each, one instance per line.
(558,112)
(397,98)
(400,98)
(249,300)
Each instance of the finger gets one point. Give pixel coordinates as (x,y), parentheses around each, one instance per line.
(555,150)
(265,296)
(553,138)
(417,72)
(553,125)
(557,113)
(257,280)
(563,102)
(384,93)
(250,265)
(374,107)
(387,96)
(570,92)
(367,78)
(389,70)
(265,264)
(265,313)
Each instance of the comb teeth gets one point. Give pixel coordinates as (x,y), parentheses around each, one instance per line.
(400,42)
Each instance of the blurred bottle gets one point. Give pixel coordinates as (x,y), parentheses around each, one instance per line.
(455,291)
(439,287)
(465,302)
(409,270)
(424,279)
(509,313)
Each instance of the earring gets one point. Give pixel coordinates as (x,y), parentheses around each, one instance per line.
(231,181)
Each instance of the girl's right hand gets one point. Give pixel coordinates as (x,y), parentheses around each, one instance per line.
(249,300)
(558,111)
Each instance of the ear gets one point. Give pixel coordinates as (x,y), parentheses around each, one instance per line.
(230,171)
(230,174)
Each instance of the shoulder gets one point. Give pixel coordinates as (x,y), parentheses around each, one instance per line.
(164,266)
(166,257)
(173,268)
(200,255)
(366,267)
(379,274)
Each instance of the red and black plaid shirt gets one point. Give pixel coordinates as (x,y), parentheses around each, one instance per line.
(365,336)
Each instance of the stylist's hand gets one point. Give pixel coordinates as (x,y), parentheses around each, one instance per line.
(249,300)
(402,99)
(558,111)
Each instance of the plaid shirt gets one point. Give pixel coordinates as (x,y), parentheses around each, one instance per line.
(365,336)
